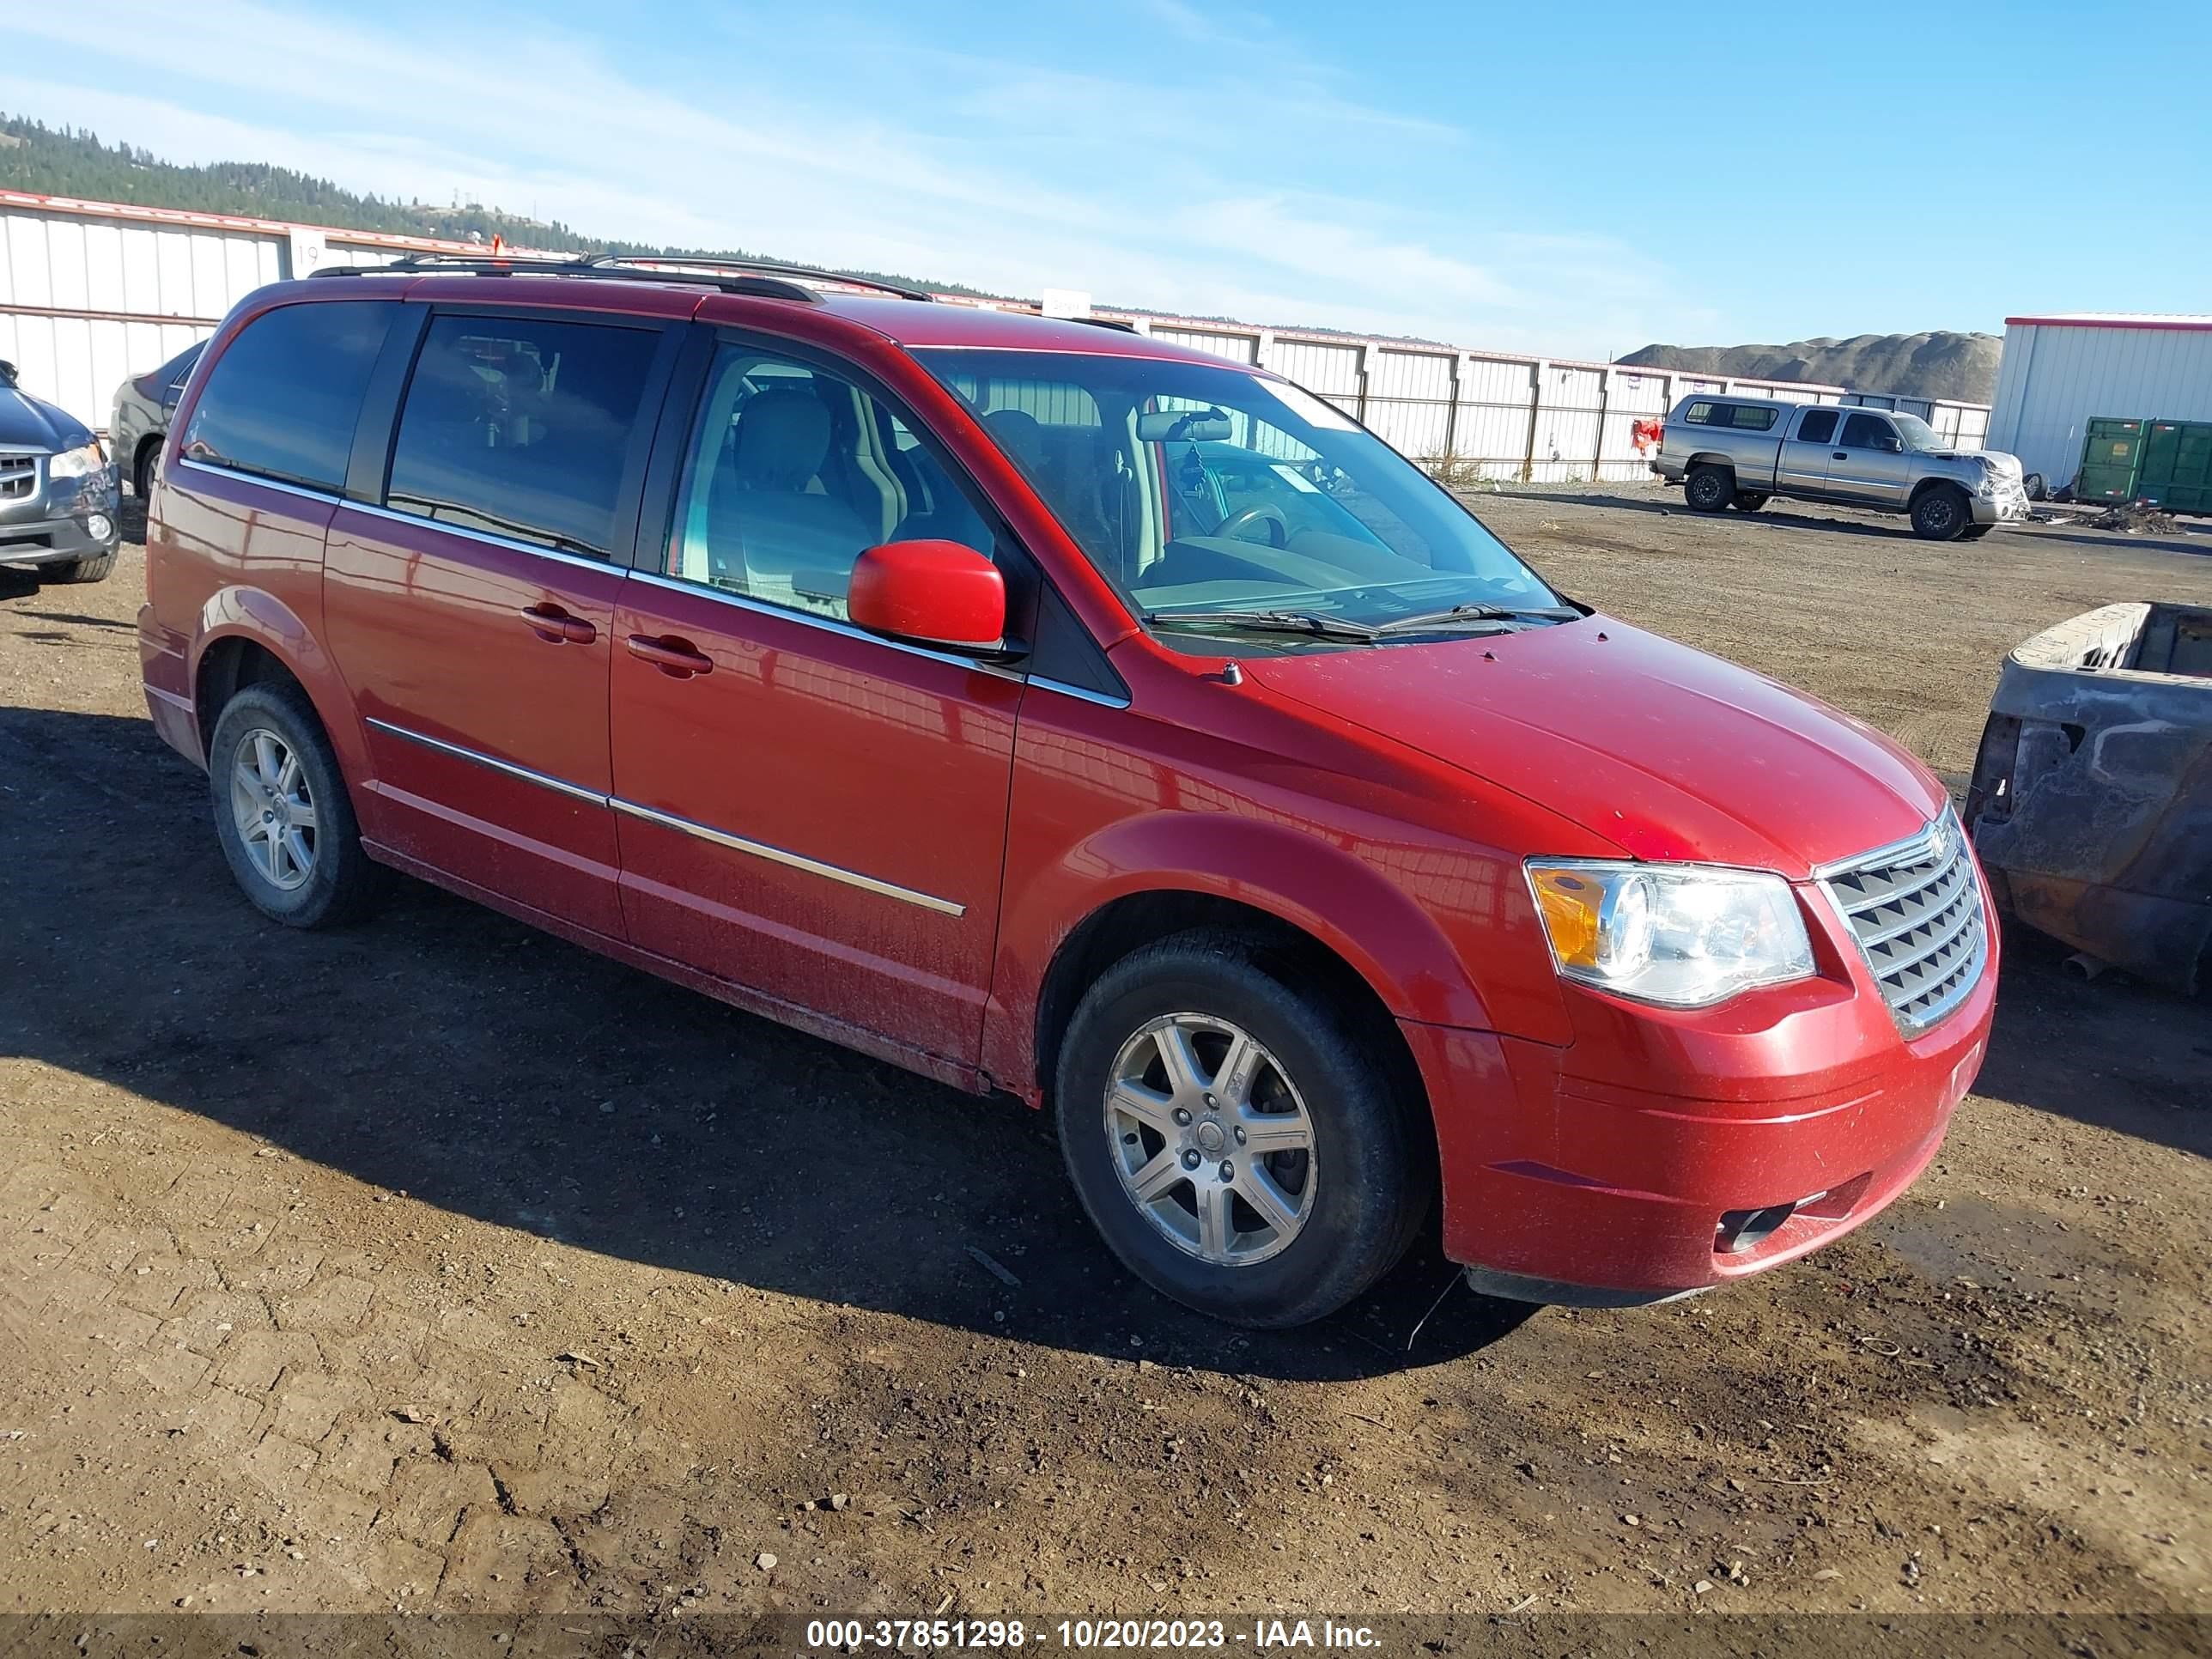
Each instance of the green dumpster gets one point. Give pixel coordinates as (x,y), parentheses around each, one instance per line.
(2176,466)
(2110,459)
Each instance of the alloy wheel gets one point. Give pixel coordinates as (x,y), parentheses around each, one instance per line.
(1211,1138)
(273,809)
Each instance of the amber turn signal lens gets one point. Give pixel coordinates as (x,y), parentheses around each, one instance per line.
(1569,904)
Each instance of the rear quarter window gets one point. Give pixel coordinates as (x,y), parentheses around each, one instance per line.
(282,400)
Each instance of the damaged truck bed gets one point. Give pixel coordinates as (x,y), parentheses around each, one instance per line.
(2092,799)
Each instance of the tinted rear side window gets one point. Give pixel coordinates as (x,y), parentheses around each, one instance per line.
(522,427)
(282,400)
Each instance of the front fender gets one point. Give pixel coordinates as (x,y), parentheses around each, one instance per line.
(1339,898)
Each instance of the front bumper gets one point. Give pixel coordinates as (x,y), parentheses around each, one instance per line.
(1661,1153)
(2008,506)
(61,519)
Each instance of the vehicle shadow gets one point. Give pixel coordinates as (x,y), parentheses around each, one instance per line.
(475,1065)
(2112,1052)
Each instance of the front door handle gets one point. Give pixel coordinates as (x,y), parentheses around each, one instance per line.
(676,657)
(557,627)
(1841,455)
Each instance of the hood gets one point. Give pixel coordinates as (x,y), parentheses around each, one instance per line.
(1996,457)
(28,423)
(1664,750)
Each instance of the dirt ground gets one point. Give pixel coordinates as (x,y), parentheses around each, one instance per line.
(437,1264)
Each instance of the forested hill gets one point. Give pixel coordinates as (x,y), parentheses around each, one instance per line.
(62,162)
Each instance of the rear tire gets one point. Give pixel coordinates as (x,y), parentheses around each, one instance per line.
(1750,501)
(1167,1160)
(281,814)
(93,567)
(1709,489)
(1941,515)
(142,469)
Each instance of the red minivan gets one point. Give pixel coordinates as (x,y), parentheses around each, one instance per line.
(1055,711)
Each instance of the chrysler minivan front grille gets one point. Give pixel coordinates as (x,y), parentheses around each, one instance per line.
(1915,909)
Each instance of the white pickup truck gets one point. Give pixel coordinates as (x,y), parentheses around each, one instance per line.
(1743,452)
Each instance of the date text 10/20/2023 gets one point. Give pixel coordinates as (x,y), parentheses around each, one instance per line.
(930,1635)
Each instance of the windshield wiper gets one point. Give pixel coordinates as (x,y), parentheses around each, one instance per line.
(1479,611)
(1269,622)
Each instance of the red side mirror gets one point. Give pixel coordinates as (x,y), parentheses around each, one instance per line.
(931,593)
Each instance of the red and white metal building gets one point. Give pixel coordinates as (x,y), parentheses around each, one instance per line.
(2060,372)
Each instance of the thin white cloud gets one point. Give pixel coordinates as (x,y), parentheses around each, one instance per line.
(1188,195)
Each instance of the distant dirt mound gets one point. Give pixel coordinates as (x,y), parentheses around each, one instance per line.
(1942,364)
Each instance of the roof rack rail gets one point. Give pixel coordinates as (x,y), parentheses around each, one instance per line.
(1104,322)
(758,284)
(761,267)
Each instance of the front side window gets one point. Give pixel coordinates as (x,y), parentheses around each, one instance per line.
(1868,432)
(793,472)
(1197,488)
(282,400)
(521,428)
(1917,433)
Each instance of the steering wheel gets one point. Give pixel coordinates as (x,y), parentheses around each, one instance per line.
(1278,527)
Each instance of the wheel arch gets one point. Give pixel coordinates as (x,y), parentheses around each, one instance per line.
(150,444)
(1926,485)
(246,634)
(1329,911)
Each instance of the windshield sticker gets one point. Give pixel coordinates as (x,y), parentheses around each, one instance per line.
(1296,480)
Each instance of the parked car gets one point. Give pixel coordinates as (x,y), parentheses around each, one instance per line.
(140,419)
(58,493)
(1743,451)
(876,666)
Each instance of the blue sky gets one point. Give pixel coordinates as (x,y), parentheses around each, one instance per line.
(1569,179)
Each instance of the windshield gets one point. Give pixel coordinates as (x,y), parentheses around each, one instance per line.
(1197,488)
(1917,433)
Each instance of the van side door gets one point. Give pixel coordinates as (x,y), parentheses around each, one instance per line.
(470,588)
(1869,466)
(1803,468)
(807,811)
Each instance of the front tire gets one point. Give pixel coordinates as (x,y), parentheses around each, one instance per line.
(93,567)
(282,813)
(1237,1142)
(1709,489)
(1941,515)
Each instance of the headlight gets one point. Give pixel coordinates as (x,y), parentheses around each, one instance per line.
(79,462)
(1686,935)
